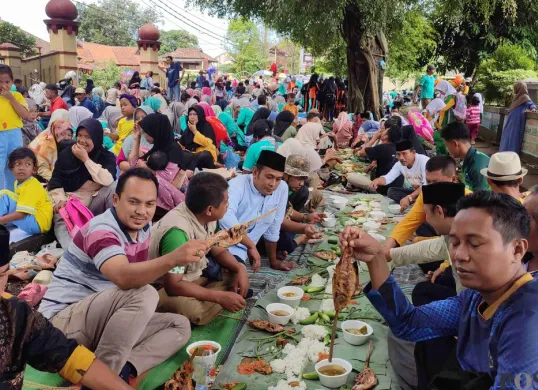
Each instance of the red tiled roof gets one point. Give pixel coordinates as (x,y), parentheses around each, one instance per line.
(95,53)
(190,54)
(7,45)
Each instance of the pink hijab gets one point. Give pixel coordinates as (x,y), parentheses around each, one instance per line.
(343,128)
(207,109)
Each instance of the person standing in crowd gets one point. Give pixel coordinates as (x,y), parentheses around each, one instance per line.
(456,137)
(112,95)
(200,79)
(100,293)
(147,85)
(85,169)
(174,78)
(472,119)
(425,87)
(413,167)
(83,101)
(330,99)
(13,109)
(250,196)
(56,102)
(514,125)
(191,290)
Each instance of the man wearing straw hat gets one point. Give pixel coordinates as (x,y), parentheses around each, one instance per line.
(505,174)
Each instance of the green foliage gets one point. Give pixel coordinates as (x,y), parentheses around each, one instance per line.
(334,62)
(244,46)
(105,76)
(14,35)
(507,57)
(412,47)
(497,87)
(114,22)
(173,39)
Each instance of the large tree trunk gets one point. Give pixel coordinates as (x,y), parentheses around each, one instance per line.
(365,76)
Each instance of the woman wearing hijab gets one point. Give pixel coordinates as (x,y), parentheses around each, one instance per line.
(156,129)
(199,136)
(153,103)
(343,128)
(77,114)
(447,93)
(98,101)
(283,122)
(89,86)
(134,86)
(309,135)
(45,145)
(109,118)
(176,111)
(85,169)
(261,114)
(123,158)
(514,125)
(234,132)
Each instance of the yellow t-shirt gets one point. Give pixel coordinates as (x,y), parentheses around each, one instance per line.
(33,199)
(125,128)
(9,119)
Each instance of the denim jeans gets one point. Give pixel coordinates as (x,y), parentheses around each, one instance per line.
(8,205)
(173,93)
(9,141)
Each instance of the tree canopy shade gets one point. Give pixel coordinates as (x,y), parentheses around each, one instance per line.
(245,47)
(113,22)
(318,24)
(173,39)
(14,35)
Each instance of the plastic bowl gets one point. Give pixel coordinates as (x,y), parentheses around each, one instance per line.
(290,301)
(329,222)
(209,359)
(340,203)
(395,208)
(355,339)
(280,320)
(377,215)
(333,382)
(371,225)
(378,237)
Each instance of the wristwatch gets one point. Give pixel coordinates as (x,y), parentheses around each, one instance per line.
(410,198)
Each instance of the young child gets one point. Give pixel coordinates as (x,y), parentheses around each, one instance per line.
(30,126)
(291,105)
(169,177)
(472,119)
(13,109)
(29,208)
(125,124)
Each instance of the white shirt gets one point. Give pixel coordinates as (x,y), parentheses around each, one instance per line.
(112,95)
(416,175)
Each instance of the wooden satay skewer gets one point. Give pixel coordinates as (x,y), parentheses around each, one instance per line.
(367,362)
(213,240)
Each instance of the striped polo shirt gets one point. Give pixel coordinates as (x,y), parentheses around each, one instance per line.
(77,275)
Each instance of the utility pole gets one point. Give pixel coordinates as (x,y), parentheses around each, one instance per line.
(41,78)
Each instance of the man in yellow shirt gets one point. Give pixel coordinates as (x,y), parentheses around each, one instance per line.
(13,109)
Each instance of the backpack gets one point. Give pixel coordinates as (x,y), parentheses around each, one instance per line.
(75,214)
(460,108)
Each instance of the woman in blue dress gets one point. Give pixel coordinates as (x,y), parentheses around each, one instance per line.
(514,126)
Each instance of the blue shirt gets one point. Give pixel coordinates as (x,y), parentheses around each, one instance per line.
(172,73)
(245,203)
(370,125)
(501,339)
(427,82)
(89,105)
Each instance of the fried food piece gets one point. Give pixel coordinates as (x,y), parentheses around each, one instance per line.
(300,281)
(229,386)
(249,366)
(230,237)
(182,378)
(325,255)
(366,379)
(269,327)
(357,214)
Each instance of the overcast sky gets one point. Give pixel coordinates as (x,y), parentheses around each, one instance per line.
(29,15)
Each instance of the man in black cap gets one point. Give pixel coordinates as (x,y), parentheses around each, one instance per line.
(249,197)
(27,337)
(413,167)
(56,102)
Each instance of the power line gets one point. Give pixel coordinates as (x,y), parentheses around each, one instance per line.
(182,19)
(181,27)
(197,17)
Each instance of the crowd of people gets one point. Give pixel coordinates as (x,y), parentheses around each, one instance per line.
(133,184)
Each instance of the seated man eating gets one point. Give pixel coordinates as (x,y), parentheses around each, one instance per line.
(100,294)
(188,290)
(494,318)
(253,195)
